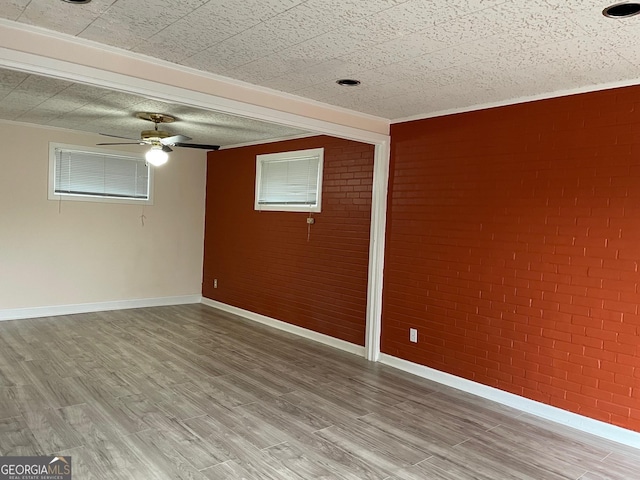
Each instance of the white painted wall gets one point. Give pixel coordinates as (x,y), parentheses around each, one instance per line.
(85,252)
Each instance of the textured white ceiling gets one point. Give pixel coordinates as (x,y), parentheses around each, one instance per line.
(414,57)
(58,103)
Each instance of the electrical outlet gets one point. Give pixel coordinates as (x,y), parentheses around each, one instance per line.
(413,335)
(215,283)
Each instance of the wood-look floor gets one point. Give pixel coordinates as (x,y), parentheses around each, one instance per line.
(192,393)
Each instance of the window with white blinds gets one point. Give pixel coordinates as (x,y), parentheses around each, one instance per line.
(91,174)
(289,181)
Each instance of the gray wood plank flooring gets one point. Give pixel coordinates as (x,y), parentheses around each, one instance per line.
(189,392)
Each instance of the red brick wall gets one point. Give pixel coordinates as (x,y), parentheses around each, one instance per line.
(513,245)
(263,261)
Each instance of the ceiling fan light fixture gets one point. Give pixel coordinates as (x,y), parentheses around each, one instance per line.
(156,156)
(159,139)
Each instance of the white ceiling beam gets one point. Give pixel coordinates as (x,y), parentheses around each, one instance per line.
(35,50)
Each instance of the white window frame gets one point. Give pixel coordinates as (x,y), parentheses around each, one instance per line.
(52,195)
(283,156)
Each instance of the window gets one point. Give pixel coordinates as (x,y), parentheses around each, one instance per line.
(289,181)
(98,175)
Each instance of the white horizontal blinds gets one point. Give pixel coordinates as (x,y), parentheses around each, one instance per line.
(101,175)
(290,181)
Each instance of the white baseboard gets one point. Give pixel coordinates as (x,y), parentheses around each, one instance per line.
(287,327)
(50,311)
(558,415)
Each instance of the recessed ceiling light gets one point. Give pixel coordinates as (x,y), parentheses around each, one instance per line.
(348,82)
(622,10)
(76,1)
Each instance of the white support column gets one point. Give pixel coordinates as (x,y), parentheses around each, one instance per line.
(376,250)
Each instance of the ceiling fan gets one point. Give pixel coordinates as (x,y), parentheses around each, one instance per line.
(160,140)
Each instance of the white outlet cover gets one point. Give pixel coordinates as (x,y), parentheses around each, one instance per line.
(413,335)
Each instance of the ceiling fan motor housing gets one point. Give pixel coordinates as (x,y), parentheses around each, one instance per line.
(152,135)
(155,137)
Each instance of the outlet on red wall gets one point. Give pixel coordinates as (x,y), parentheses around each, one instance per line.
(513,243)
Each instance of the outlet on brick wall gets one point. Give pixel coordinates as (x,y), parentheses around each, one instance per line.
(513,238)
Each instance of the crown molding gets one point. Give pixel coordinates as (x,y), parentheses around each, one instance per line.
(525,99)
